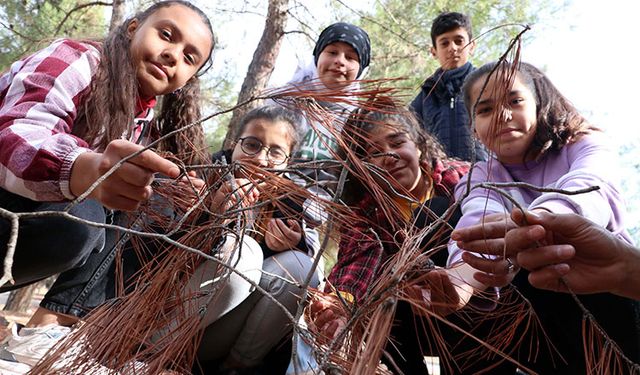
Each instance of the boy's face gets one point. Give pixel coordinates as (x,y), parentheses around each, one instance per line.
(264,143)
(338,64)
(452,49)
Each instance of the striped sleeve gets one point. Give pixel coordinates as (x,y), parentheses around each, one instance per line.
(39,97)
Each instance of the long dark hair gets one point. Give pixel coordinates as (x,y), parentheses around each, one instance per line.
(558,121)
(108,110)
(362,123)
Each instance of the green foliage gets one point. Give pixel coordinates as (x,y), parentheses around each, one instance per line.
(28,25)
(400,33)
(218,95)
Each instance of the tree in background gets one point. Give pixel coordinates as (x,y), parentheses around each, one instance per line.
(28,25)
(262,64)
(401,39)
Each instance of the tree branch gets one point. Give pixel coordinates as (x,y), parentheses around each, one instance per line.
(78,8)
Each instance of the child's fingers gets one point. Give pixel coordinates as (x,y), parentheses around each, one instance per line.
(292,236)
(493,280)
(192,181)
(494,266)
(316,306)
(488,246)
(278,228)
(323,317)
(334,328)
(255,194)
(147,159)
(274,236)
(284,228)
(494,229)
(294,225)
(443,295)
(247,190)
(131,174)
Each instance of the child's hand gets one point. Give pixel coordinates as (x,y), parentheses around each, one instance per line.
(128,185)
(328,317)
(191,187)
(280,236)
(436,294)
(488,237)
(191,179)
(227,197)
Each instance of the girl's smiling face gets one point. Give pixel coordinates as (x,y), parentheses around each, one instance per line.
(403,160)
(168,48)
(271,139)
(507,126)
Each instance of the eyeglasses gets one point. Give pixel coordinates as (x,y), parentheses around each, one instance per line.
(252,146)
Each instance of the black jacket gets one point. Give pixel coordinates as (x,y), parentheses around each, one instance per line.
(440,108)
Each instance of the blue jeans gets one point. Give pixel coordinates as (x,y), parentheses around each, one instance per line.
(54,245)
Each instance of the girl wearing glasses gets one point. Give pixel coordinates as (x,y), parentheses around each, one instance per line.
(240,339)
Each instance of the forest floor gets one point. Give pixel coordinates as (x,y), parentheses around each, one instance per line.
(8,318)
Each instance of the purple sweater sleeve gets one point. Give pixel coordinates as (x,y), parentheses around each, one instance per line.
(584,163)
(479,201)
(590,163)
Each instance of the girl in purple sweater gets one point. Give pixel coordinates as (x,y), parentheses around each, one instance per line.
(537,137)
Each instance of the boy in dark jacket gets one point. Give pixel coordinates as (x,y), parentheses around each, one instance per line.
(439,105)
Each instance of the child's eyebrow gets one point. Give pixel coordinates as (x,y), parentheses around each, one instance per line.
(396,135)
(484,101)
(179,34)
(490,100)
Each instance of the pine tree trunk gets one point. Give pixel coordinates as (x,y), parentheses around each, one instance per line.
(262,64)
(117,14)
(20,299)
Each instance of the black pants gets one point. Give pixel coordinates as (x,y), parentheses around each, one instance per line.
(561,319)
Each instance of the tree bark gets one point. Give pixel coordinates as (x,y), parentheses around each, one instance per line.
(117,14)
(19,300)
(262,64)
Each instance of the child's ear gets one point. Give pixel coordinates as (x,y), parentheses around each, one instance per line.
(472,47)
(132,27)
(433,51)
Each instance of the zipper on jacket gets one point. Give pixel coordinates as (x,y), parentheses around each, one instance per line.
(454,147)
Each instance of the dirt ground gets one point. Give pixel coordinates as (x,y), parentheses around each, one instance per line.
(8,318)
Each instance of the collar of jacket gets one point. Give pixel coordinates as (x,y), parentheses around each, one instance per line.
(447,83)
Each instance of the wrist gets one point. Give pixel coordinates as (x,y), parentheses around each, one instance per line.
(629,272)
(83,173)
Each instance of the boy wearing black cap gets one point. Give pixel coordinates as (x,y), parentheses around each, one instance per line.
(439,105)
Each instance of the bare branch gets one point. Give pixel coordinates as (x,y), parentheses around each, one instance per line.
(78,8)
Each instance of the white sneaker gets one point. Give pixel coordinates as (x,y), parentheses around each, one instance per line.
(13,368)
(31,344)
